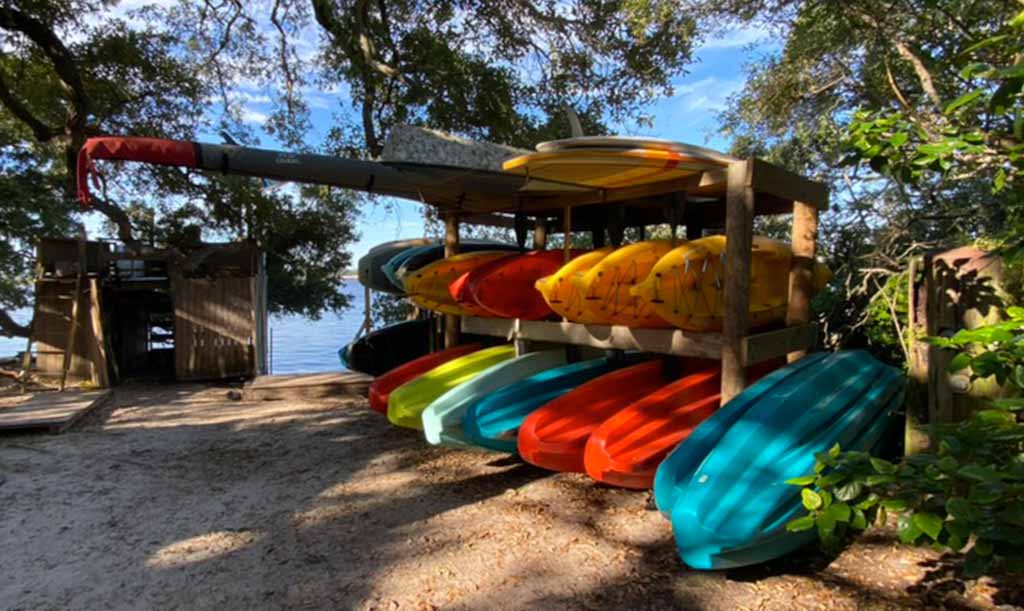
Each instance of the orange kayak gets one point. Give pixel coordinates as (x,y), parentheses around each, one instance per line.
(626,449)
(554,436)
(505,287)
(381,387)
(459,291)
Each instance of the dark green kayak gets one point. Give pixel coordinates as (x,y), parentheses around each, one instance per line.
(371,266)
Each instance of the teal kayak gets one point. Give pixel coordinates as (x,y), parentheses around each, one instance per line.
(724,487)
(442,419)
(390,268)
(494,421)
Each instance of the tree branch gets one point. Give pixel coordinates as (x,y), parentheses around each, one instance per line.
(64,64)
(11,328)
(121,220)
(41,131)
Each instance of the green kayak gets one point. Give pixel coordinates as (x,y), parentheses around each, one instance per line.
(407,402)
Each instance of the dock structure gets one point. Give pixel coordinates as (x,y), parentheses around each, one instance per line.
(52,412)
(326,385)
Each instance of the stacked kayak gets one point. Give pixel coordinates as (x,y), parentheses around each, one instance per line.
(381,387)
(724,487)
(408,261)
(685,287)
(493,422)
(388,347)
(505,287)
(554,436)
(371,266)
(561,293)
(428,286)
(607,286)
(442,419)
(407,402)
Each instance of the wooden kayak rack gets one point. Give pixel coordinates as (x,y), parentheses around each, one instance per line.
(730,195)
(462,180)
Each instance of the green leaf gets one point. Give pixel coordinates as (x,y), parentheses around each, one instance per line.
(840,512)
(983,548)
(1015,312)
(987,42)
(948,464)
(827,481)
(879,480)
(849,491)
(928,523)
(960,361)
(908,531)
(834,451)
(882,467)
(1014,405)
(959,508)
(979,473)
(826,524)
(894,504)
(955,543)
(898,139)
(800,524)
(859,520)
(805,480)
(811,499)
(964,100)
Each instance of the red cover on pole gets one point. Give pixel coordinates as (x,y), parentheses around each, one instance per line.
(147,150)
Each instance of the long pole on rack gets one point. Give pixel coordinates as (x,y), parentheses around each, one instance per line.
(801,269)
(451,248)
(739,232)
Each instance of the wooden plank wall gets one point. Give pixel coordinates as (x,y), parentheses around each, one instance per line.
(214,331)
(53,312)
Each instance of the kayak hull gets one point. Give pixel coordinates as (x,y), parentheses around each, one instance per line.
(561,293)
(493,422)
(428,286)
(727,499)
(407,402)
(606,287)
(381,387)
(505,287)
(380,351)
(442,419)
(370,266)
(555,435)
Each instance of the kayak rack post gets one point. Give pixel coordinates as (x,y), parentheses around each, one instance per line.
(540,234)
(739,228)
(801,269)
(451,248)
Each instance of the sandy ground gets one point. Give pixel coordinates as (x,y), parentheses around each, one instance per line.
(178,498)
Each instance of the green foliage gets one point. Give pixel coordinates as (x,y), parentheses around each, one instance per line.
(967,496)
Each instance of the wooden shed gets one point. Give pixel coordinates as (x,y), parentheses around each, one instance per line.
(159,314)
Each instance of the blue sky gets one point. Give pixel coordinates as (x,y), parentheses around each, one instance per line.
(688,116)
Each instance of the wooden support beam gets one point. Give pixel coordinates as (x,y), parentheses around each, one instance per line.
(69,347)
(739,229)
(451,248)
(567,228)
(540,234)
(774,344)
(101,371)
(801,269)
(775,180)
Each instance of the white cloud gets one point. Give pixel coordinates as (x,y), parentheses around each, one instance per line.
(731,39)
(709,94)
(252,116)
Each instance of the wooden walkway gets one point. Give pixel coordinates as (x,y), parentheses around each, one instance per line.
(51,412)
(308,386)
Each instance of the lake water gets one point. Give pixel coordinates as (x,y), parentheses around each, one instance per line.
(299,344)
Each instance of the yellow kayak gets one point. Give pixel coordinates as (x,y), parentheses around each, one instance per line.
(407,402)
(686,286)
(606,286)
(609,168)
(427,287)
(561,293)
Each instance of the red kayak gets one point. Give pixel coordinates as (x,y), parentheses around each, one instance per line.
(506,287)
(381,387)
(459,290)
(626,449)
(555,435)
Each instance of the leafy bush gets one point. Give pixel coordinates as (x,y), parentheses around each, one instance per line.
(968,496)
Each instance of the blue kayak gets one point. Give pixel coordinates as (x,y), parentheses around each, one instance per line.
(442,419)
(724,487)
(494,421)
(390,268)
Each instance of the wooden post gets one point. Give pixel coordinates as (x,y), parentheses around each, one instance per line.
(540,234)
(567,228)
(69,347)
(101,374)
(739,228)
(367,311)
(451,248)
(801,269)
